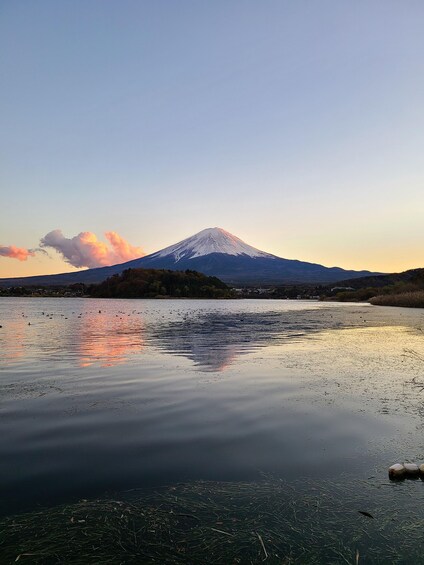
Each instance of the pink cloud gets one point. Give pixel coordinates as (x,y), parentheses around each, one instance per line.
(13,252)
(85,250)
(122,248)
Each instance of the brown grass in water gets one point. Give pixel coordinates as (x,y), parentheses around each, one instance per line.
(405,299)
(270,521)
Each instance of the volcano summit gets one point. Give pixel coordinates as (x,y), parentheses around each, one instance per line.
(212,251)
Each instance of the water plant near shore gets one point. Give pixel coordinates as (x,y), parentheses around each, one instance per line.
(405,299)
(271,520)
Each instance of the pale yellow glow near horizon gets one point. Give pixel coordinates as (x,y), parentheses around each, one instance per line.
(347,256)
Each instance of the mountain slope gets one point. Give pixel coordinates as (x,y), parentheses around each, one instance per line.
(413,276)
(213,252)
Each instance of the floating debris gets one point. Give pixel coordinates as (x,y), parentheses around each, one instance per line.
(367,514)
(397,471)
(411,469)
(406,470)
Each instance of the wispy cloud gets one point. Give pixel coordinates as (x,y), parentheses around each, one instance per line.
(13,252)
(85,250)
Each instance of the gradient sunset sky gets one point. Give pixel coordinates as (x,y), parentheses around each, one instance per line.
(296,125)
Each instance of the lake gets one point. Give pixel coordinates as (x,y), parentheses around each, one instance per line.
(104,396)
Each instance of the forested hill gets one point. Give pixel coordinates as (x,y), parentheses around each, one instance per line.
(399,289)
(413,276)
(156,283)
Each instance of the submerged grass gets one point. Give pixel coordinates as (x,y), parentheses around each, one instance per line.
(212,522)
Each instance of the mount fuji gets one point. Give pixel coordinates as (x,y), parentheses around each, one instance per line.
(212,251)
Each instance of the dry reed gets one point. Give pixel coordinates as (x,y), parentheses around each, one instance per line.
(405,299)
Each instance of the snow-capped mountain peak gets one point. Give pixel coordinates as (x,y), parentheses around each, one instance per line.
(210,240)
(213,252)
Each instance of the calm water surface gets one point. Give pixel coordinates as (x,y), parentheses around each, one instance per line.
(105,395)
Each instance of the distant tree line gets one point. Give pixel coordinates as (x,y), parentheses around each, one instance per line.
(73,290)
(158,283)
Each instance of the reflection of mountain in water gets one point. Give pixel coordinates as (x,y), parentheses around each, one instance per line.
(213,340)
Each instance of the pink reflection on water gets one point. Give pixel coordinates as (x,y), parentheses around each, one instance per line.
(85,339)
(108,340)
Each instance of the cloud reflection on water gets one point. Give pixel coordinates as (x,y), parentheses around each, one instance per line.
(109,341)
(86,338)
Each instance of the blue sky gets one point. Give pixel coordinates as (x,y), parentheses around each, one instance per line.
(296,125)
